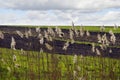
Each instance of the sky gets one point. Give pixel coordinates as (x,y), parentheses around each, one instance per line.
(59,12)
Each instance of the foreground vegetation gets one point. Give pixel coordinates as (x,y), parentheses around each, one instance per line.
(30,65)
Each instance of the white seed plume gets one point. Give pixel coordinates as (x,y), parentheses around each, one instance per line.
(59,31)
(111,32)
(66,45)
(93,47)
(71,34)
(73,27)
(61,35)
(41,50)
(99,38)
(110,51)
(50,38)
(74,73)
(20,34)
(81,25)
(26,34)
(1,35)
(56,29)
(17,65)
(45,34)
(48,46)
(87,33)
(13,43)
(9,69)
(105,40)
(14,58)
(115,26)
(81,57)
(38,30)
(72,41)
(51,31)
(40,35)
(81,78)
(81,32)
(22,51)
(113,39)
(103,46)
(3,61)
(75,59)
(29,32)
(102,28)
(78,68)
(98,52)
(76,32)
(41,40)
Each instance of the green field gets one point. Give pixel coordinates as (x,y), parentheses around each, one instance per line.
(45,66)
(89,28)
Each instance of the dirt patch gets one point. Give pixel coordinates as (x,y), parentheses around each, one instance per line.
(32,43)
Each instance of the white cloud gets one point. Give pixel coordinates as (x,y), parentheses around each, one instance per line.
(60,12)
(58,17)
(111,16)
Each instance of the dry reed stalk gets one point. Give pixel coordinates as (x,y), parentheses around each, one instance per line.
(93,47)
(48,46)
(20,34)
(66,45)
(13,43)
(38,30)
(87,33)
(1,35)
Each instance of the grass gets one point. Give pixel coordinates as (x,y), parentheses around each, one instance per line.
(86,43)
(89,28)
(45,66)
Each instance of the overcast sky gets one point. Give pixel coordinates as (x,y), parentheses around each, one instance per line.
(60,12)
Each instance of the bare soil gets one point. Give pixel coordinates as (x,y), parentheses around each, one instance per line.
(32,43)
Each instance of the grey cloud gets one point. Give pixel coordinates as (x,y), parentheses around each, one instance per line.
(60,17)
(83,5)
(111,16)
